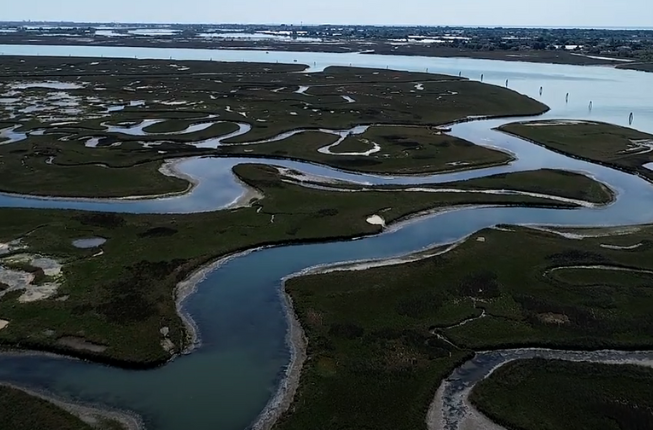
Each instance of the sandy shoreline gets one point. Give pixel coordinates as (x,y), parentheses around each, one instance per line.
(246,199)
(169,168)
(298,343)
(452,410)
(434,416)
(89,414)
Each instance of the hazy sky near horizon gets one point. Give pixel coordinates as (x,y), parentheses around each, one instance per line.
(550,13)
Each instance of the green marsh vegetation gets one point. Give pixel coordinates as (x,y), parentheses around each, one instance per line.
(262,95)
(389,334)
(643,67)
(375,365)
(543,181)
(414,150)
(560,395)
(404,150)
(22,411)
(611,145)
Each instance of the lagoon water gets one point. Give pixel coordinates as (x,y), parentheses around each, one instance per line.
(227,382)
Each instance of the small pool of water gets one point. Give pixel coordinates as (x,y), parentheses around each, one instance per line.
(89,242)
(53,85)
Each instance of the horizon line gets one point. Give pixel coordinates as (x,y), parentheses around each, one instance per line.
(471,26)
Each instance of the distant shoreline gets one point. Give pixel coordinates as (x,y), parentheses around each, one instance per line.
(378,47)
(26,20)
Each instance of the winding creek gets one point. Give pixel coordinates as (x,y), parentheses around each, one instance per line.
(227,381)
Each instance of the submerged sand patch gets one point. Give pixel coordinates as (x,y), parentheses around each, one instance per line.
(50,266)
(35,293)
(37,276)
(552,318)
(6,248)
(80,343)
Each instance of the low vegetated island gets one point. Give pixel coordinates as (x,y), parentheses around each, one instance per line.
(24,411)
(620,147)
(543,394)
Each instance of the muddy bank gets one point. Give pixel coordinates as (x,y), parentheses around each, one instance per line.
(250,196)
(89,414)
(169,168)
(298,343)
(451,409)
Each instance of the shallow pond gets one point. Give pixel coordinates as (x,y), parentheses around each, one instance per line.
(89,242)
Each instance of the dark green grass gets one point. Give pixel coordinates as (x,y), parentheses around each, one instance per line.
(360,144)
(607,279)
(543,181)
(365,327)
(404,150)
(170,126)
(643,67)
(597,142)
(413,150)
(302,146)
(558,395)
(21,411)
(225,89)
(33,176)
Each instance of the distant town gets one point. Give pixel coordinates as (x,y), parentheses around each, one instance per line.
(573,46)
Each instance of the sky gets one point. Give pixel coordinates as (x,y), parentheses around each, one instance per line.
(549,13)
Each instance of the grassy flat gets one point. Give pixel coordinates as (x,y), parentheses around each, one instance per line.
(643,67)
(64,181)
(558,395)
(404,150)
(544,181)
(73,99)
(21,411)
(301,146)
(373,334)
(413,150)
(560,183)
(623,148)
